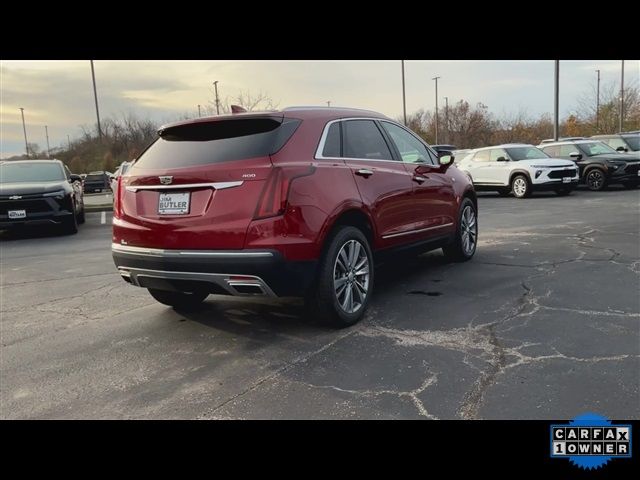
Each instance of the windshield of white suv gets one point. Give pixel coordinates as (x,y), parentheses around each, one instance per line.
(596,148)
(525,153)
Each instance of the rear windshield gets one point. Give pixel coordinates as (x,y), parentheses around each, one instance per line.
(216,142)
(95,177)
(31,172)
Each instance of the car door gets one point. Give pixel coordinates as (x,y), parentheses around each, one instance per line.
(384,183)
(478,167)
(497,168)
(433,193)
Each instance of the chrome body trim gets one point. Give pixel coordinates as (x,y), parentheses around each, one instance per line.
(417,231)
(160,252)
(214,185)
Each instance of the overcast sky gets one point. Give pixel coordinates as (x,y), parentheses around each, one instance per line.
(59,93)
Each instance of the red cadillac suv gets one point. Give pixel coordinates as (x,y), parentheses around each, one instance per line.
(298,202)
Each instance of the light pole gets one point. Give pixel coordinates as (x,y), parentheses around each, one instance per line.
(328,103)
(46,132)
(446,117)
(556,100)
(436,79)
(68,142)
(95,96)
(24,129)
(215,85)
(404,98)
(199,114)
(598,102)
(620,127)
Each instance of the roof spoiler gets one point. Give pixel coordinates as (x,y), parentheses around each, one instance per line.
(238,109)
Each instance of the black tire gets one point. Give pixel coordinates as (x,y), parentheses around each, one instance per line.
(70,225)
(81,216)
(563,192)
(179,300)
(323,299)
(520,186)
(504,192)
(595,179)
(458,251)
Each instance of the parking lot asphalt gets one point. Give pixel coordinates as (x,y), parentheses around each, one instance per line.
(543,323)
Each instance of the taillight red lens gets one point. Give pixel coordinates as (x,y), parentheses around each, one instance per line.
(117,199)
(273,200)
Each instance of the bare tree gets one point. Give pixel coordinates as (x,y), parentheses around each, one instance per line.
(250,101)
(609,112)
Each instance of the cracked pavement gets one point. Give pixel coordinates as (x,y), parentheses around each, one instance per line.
(543,323)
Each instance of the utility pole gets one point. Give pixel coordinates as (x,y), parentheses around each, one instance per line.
(215,85)
(556,101)
(446,117)
(598,102)
(46,132)
(436,79)
(95,95)
(621,126)
(24,129)
(199,114)
(404,98)
(68,142)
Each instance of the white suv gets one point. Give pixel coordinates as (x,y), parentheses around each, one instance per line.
(519,169)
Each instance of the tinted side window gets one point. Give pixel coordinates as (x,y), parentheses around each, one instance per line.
(362,139)
(497,153)
(552,151)
(332,142)
(411,149)
(567,150)
(482,156)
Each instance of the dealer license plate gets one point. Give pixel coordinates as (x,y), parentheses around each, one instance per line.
(17,214)
(174,203)
(566,179)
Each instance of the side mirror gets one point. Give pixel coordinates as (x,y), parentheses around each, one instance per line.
(502,159)
(445,158)
(622,149)
(575,156)
(75,178)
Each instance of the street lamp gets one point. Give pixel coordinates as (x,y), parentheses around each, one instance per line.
(446,117)
(404,98)
(621,126)
(598,101)
(436,79)
(556,100)
(95,95)
(24,129)
(46,132)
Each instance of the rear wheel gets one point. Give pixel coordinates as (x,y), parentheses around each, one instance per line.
(179,300)
(466,239)
(345,279)
(595,179)
(564,191)
(520,186)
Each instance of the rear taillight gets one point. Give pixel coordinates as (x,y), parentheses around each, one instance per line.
(273,200)
(117,199)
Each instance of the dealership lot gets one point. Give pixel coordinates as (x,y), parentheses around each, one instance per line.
(544,322)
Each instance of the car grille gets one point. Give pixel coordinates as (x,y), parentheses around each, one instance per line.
(571,172)
(31,206)
(633,168)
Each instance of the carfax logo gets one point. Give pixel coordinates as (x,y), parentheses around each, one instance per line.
(590,441)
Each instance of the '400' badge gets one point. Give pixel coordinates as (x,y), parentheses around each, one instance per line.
(590,441)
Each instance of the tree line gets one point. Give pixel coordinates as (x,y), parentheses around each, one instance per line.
(461,124)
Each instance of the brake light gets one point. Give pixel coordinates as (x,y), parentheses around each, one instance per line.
(117,199)
(273,200)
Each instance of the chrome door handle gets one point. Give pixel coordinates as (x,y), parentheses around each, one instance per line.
(364,172)
(419,179)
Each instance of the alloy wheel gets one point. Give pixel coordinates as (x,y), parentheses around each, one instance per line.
(351,276)
(520,187)
(469,230)
(595,179)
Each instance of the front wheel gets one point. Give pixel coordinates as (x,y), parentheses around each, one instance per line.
(595,180)
(466,239)
(179,300)
(520,186)
(345,279)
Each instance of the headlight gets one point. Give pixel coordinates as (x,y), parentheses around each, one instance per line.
(58,195)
